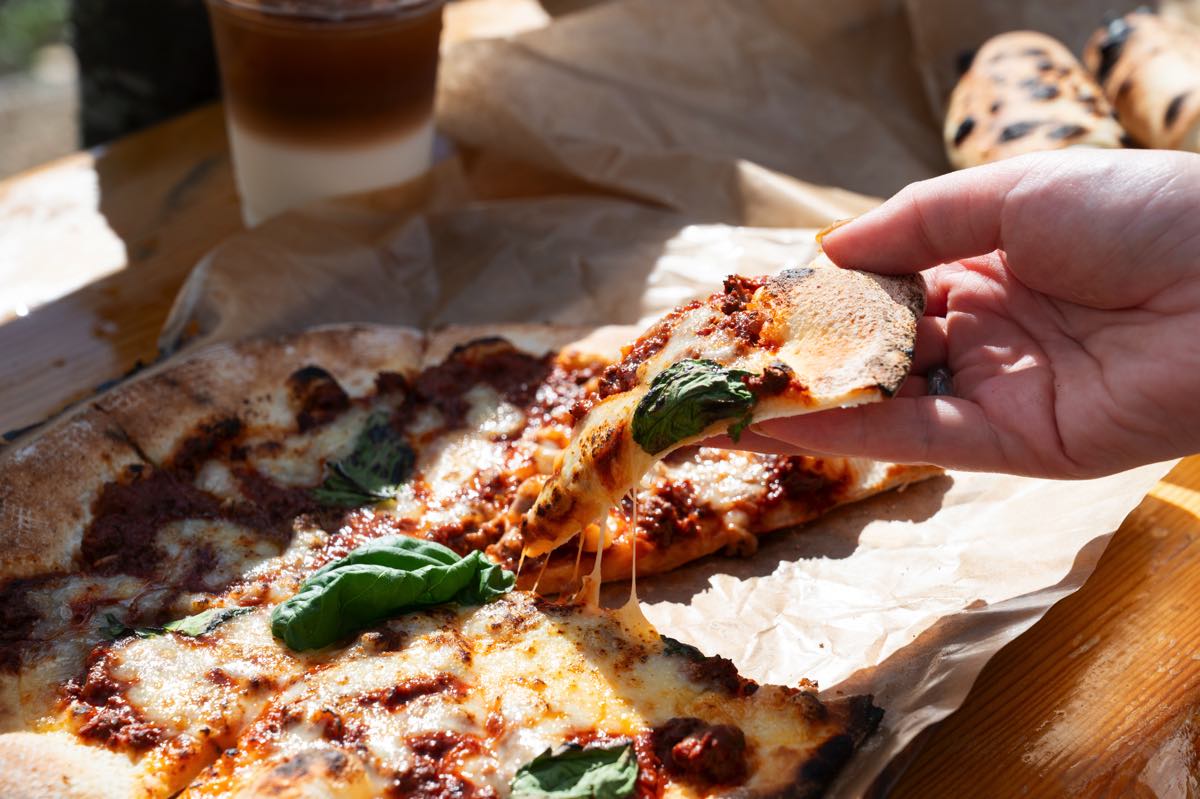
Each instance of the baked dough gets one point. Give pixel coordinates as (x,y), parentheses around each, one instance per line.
(1149,67)
(1025,92)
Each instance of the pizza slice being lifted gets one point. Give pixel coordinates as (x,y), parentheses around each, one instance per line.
(805,340)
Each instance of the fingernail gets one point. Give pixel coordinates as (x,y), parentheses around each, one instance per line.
(825,231)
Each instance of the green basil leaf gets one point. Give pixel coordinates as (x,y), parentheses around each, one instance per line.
(735,429)
(381,579)
(601,772)
(193,626)
(374,471)
(686,398)
(114,628)
(204,622)
(676,648)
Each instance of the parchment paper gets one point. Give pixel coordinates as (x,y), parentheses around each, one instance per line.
(606,162)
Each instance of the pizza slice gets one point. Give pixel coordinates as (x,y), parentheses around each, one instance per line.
(704,502)
(696,502)
(805,340)
(523,698)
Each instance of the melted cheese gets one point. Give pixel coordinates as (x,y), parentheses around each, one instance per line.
(63,641)
(510,678)
(842,337)
(200,693)
(590,591)
(301,458)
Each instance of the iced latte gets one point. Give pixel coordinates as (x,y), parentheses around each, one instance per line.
(325,97)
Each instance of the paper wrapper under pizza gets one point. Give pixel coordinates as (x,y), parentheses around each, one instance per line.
(1024,92)
(1149,67)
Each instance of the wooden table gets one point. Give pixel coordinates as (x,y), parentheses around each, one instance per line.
(1100,698)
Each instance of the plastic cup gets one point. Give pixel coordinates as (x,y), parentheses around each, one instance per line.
(325,97)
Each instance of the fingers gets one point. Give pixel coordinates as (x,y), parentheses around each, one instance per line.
(945,431)
(931,348)
(915,386)
(1105,229)
(753,442)
(928,223)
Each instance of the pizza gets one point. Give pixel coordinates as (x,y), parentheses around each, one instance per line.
(156,535)
(804,340)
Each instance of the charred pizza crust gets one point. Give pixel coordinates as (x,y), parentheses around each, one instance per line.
(1025,92)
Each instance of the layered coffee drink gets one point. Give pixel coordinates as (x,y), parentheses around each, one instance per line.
(325,97)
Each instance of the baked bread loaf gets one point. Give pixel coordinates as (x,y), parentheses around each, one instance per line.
(1023,92)
(1149,68)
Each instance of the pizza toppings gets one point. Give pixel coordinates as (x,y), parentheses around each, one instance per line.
(333,514)
(822,337)
(379,580)
(102,711)
(412,688)
(380,464)
(129,514)
(318,397)
(623,375)
(668,511)
(712,671)
(688,397)
(18,621)
(193,626)
(435,772)
(701,753)
(600,771)
(492,362)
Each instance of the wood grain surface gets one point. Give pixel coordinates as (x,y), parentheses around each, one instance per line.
(167,195)
(1098,699)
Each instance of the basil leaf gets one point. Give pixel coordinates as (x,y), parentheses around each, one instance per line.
(382,579)
(374,471)
(193,626)
(204,622)
(577,773)
(676,648)
(688,397)
(114,628)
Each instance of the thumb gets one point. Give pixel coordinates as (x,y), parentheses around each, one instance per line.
(945,431)
(935,221)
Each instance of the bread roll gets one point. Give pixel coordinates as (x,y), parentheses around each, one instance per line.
(1022,92)
(1149,67)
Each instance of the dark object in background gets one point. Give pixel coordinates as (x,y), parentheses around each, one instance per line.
(140,62)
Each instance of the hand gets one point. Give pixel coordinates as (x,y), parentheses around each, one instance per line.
(1064,299)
